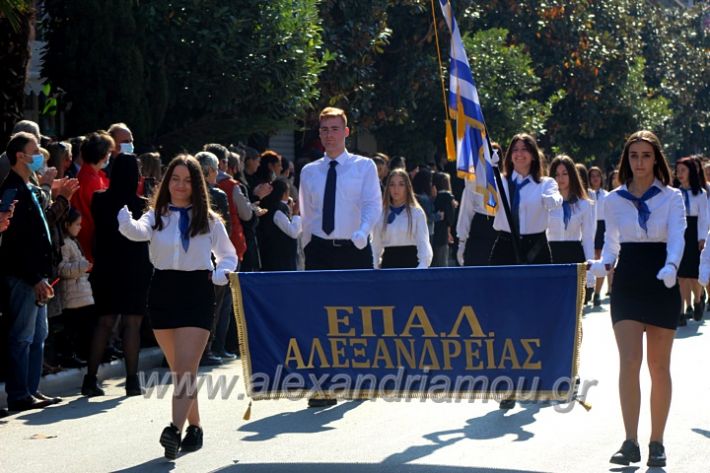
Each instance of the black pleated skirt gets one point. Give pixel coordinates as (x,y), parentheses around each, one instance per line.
(599,235)
(534,249)
(690,264)
(636,293)
(399,257)
(480,240)
(181,299)
(566,252)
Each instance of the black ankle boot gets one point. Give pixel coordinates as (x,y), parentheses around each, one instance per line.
(170,440)
(133,386)
(90,387)
(193,439)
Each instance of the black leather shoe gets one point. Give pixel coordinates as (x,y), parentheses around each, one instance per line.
(597,300)
(628,453)
(42,397)
(225,355)
(133,386)
(210,360)
(682,321)
(27,404)
(192,440)
(698,310)
(507,404)
(90,387)
(4,413)
(170,440)
(322,402)
(656,454)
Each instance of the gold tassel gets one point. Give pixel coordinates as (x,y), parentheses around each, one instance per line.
(450,143)
(587,406)
(247,414)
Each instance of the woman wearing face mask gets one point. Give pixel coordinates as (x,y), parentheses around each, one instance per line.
(95,153)
(270,167)
(645,224)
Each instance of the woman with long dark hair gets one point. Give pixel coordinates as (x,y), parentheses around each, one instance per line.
(183,233)
(696,215)
(645,224)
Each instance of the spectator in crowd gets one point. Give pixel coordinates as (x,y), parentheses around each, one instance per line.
(59,157)
(445,207)
(27,126)
(423,189)
(151,169)
(238,203)
(122,143)
(279,229)
(381,161)
(182,298)
(120,276)
(222,155)
(269,167)
(26,255)
(73,170)
(252,161)
(95,153)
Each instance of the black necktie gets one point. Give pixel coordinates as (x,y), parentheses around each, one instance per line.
(329,199)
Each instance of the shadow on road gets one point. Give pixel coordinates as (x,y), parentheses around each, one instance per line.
(76,409)
(690,330)
(356,468)
(492,425)
(157,465)
(305,421)
(703,432)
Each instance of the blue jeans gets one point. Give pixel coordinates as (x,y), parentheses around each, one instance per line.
(28,331)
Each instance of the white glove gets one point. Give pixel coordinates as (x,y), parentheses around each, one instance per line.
(124,215)
(704,276)
(219,277)
(591,280)
(359,239)
(597,268)
(460,252)
(667,274)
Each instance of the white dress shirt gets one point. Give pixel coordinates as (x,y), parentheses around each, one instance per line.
(398,233)
(598,196)
(471,203)
(536,200)
(665,225)
(698,208)
(290,226)
(582,226)
(166,251)
(358,199)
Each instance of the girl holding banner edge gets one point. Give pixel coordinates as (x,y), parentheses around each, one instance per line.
(183,233)
(400,238)
(645,225)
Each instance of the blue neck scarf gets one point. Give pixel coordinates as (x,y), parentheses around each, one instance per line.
(566,212)
(394,211)
(183,224)
(640,203)
(686,199)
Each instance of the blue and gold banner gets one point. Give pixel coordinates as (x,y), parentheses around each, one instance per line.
(508,332)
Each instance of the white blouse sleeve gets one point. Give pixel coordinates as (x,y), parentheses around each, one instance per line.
(377,245)
(224,252)
(466,211)
(551,197)
(424,251)
(676,229)
(292,227)
(611,236)
(136,230)
(589,229)
(703,222)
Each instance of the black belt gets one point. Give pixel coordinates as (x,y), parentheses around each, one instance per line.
(333,243)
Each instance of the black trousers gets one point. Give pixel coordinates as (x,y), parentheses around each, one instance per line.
(324,254)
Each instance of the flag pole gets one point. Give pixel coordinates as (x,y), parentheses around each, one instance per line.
(450,146)
(503,197)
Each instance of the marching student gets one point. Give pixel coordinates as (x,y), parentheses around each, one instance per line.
(645,222)
(598,194)
(400,238)
(571,227)
(532,196)
(183,233)
(445,205)
(279,229)
(696,215)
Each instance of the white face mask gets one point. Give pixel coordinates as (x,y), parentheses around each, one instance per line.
(108,160)
(127,148)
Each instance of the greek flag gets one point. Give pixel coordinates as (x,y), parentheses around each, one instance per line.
(473,159)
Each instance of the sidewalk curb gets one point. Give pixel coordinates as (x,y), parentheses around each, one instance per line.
(69,381)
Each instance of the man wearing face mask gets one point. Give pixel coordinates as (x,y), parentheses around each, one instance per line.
(123,143)
(26,253)
(95,153)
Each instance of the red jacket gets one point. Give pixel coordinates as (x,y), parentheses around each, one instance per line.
(236,233)
(90,181)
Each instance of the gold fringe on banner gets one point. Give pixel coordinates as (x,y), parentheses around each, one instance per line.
(450,142)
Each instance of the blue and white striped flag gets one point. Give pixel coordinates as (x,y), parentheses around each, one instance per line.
(473,159)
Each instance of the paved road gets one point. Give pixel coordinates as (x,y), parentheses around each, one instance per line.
(114,433)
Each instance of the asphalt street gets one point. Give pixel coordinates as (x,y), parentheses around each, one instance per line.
(115,433)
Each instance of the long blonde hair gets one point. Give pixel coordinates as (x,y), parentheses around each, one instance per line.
(410,200)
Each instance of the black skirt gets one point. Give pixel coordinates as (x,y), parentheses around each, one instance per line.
(181,299)
(636,294)
(599,236)
(399,257)
(480,240)
(690,264)
(566,252)
(534,249)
